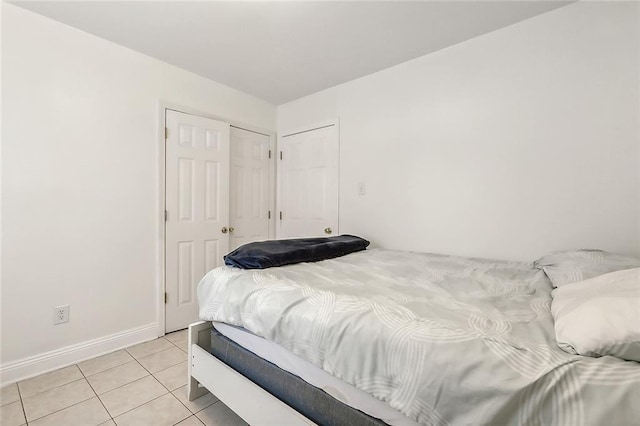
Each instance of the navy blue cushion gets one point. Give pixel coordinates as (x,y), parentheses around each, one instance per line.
(267,254)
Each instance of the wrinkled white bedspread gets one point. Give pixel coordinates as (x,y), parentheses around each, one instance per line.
(444,340)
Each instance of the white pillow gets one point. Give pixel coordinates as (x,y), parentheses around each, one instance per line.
(600,316)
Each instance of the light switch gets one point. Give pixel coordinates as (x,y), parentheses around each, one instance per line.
(361,188)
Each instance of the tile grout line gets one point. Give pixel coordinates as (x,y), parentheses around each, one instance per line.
(84,377)
(135,408)
(149,375)
(64,408)
(56,411)
(98,396)
(171,366)
(121,386)
(188,417)
(55,387)
(24,413)
(131,409)
(155,353)
(96,393)
(202,409)
(109,369)
(48,389)
(171,392)
(106,369)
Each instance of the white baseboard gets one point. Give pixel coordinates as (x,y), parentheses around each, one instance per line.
(21,369)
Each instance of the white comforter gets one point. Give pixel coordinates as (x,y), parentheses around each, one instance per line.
(444,340)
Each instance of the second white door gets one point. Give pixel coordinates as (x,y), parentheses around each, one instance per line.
(250,183)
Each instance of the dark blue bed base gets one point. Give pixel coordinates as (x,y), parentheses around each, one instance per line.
(315,404)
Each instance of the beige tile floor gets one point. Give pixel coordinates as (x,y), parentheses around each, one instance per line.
(145,384)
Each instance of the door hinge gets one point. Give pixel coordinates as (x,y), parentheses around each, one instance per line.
(269,153)
(166,133)
(280,215)
(166,215)
(166,297)
(269,214)
(281,155)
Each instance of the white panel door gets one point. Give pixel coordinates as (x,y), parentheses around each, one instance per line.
(308,171)
(197,205)
(250,180)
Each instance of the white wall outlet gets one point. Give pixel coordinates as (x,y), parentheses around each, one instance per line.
(60,314)
(362,189)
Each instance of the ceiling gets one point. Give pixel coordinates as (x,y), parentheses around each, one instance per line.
(280,51)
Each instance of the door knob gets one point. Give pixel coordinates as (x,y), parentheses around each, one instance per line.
(328,230)
(231,229)
(224,229)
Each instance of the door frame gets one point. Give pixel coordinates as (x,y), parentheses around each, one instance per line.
(161,107)
(301,129)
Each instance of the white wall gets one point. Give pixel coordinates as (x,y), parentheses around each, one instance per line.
(509,145)
(79,180)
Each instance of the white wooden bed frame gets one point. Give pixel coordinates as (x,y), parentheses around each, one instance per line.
(248,400)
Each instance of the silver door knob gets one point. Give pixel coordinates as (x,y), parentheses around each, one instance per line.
(231,229)
(224,230)
(328,230)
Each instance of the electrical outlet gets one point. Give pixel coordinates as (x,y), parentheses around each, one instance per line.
(362,189)
(60,314)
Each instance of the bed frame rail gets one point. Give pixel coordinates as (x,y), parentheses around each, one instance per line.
(206,372)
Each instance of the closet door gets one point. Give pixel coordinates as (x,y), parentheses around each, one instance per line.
(197,210)
(308,172)
(250,182)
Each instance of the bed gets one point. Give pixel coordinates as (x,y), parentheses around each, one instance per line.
(411,338)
